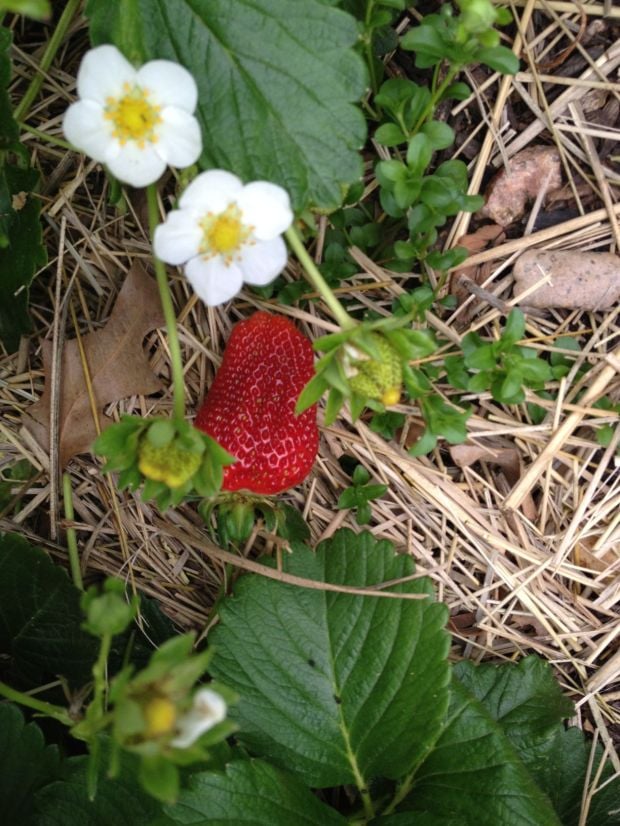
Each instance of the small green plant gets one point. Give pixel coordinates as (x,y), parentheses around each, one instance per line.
(358,496)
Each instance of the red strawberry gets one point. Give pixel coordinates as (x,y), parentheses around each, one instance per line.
(250,407)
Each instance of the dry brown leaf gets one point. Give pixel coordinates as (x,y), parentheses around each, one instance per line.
(117,365)
(521,181)
(569,280)
(508,458)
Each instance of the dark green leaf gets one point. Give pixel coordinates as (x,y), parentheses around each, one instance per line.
(528,703)
(40,617)
(475,776)
(276,84)
(26,764)
(22,256)
(327,678)
(253,793)
(119,802)
(386,424)
(9,131)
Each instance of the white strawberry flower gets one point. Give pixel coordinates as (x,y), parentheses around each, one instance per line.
(226,233)
(136,121)
(208,709)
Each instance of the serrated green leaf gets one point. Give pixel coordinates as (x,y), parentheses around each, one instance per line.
(22,256)
(475,776)
(26,764)
(254,793)
(523,698)
(329,681)
(276,85)
(529,705)
(40,617)
(119,802)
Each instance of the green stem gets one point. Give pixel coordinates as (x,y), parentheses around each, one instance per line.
(165,296)
(99,674)
(318,282)
(74,557)
(429,110)
(370,58)
(43,136)
(57,712)
(46,61)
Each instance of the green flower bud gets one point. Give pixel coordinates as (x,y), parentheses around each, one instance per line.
(378,379)
(168,463)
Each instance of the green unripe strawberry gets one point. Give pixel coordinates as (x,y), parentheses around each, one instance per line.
(170,464)
(379,379)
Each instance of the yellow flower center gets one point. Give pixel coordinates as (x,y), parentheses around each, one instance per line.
(160,715)
(133,116)
(170,464)
(224,234)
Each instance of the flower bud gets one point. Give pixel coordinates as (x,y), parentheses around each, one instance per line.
(377,378)
(170,464)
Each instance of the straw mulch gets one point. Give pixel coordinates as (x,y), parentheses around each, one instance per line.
(525,565)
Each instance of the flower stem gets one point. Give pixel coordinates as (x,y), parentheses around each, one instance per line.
(46,61)
(176,362)
(74,558)
(318,282)
(57,712)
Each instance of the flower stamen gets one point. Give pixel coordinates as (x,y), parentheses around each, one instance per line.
(224,234)
(133,116)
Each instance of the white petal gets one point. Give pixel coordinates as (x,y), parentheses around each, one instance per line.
(169,84)
(262,261)
(208,710)
(267,208)
(178,238)
(135,166)
(212,280)
(102,73)
(86,128)
(180,139)
(211,191)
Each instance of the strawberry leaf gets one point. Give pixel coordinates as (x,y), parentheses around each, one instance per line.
(26,764)
(474,774)
(276,81)
(329,682)
(275,797)
(40,617)
(528,704)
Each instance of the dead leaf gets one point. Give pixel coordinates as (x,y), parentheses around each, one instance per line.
(512,187)
(117,365)
(569,280)
(508,458)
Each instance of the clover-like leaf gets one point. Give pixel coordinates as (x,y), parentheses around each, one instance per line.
(276,83)
(330,681)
